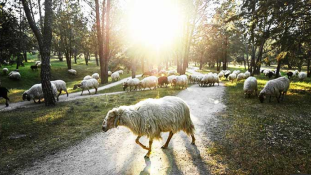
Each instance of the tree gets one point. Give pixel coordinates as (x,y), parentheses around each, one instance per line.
(44,39)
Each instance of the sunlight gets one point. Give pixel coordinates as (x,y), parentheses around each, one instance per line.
(155,23)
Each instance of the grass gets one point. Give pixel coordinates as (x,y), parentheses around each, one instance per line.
(263,138)
(44,130)
(58,70)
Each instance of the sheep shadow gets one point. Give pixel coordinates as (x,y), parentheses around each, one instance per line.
(146,170)
(173,167)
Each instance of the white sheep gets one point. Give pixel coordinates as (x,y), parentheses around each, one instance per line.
(216,79)
(302,76)
(60,86)
(250,86)
(72,72)
(171,78)
(120,72)
(277,87)
(134,82)
(295,73)
(87,77)
(5,71)
(15,75)
(38,63)
(96,76)
(241,76)
(208,79)
(266,72)
(232,77)
(115,76)
(181,81)
(220,75)
(86,85)
(109,73)
(36,93)
(151,117)
(236,72)
(149,82)
(172,72)
(247,74)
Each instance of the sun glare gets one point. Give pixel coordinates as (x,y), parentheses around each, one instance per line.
(155,22)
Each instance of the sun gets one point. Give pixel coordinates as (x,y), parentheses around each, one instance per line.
(155,22)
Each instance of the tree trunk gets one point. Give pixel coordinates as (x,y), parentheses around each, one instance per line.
(308,68)
(133,68)
(100,42)
(86,58)
(96,58)
(107,51)
(225,56)
(278,69)
(25,56)
(68,59)
(60,56)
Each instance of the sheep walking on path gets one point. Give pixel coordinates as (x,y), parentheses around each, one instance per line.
(151,117)
(87,84)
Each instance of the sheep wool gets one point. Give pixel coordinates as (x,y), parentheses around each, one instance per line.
(115,76)
(232,77)
(87,77)
(221,74)
(120,72)
(72,71)
(171,78)
(15,75)
(5,71)
(149,82)
(60,86)
(181,81)
(96,76)
(276,87)
(250,86)
(241,76)
(302,76)
(36,93)
(134,82)
(247,74)
(172,72)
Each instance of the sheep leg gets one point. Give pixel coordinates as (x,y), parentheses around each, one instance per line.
(140,144)
(59,94)
(6,101)
(67,93)
(168,140)
(193,139)
(150,146)
(82,92)
(95,90)
(89,92)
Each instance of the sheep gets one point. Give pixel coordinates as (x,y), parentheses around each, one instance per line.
(72,72)
(295,73)
(216,79)
(4,94)
(250,86)
(87,77)
(120,72)
(15,75)
(162,72)
(150,117)
(236,72)
(232,77)
(266,72)
(109,73)
(38,63)
(5,71)
(60,86)
(96,76)
(115,76)
(87,84)
(270,74)
(220,75)
(162,81)
(171,78)
(35,92)
(247,74)
(172,72)
(241,76)
(208,79)
(302,76)
(181,81)
(289,74)
(277,87)
(149,82)
(34,67)
(131,83)
(227,75)
(145,74)
(192,78)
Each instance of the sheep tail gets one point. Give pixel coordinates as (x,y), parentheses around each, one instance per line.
(188,125)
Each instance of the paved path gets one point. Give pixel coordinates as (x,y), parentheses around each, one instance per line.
(116,152)
(72,96)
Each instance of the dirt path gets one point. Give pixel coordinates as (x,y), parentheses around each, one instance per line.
(72,96)
(116,152)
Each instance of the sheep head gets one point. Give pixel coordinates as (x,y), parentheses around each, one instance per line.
(76,86)
(112,119)
(262,97)
(26,96)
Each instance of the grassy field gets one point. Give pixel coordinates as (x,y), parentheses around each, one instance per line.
(28,135)
(59,71)
(263,138)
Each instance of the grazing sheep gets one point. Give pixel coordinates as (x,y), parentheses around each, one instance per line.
(247,74)
(289,74)
(131,83)
(145,74)
(295,73)
(266,71)
(220,75)
(115,76)
(4,94)
(34,67)
(36,93)
(149,82)
(232,77)
(171,78)
(72,72)
(208,79)
(120,72)
(172,72)
(302,76)
(60,86)
(151,117)
(5,71)
(236,72)
(192,78)
(241,76)
(87,77)
(250,86)
(96,76)
(162,81)
(277,87)
(15,75)
(109,73)
(181,81)
(86,85)
(216,79)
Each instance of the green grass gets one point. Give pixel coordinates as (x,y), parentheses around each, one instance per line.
(48,130)
(58,70)
(263,138)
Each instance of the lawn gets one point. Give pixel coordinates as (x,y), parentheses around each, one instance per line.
(28,135)
(263,138)
(59,71)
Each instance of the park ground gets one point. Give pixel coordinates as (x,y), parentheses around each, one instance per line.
(245,137)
